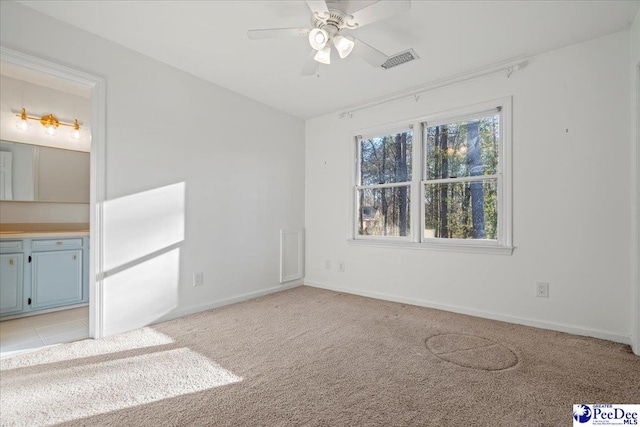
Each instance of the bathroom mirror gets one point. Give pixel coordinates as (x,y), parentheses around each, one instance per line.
(34,173)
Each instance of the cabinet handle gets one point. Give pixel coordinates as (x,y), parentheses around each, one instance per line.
(11,261)
(58,243)
(74,257)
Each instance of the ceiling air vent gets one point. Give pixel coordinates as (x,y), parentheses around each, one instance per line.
(400,58)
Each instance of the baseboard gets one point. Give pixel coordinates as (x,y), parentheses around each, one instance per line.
(228,301)
(45,311)
(576,330)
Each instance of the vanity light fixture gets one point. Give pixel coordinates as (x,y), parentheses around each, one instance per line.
(23,122)
(75,132)
(50,123)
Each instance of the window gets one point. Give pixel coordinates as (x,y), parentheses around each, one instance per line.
(462,180)
(383,192)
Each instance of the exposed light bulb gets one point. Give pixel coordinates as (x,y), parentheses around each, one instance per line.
(50,130)
(50,123)
(22,124)
(75,132)
(344,45)
(323,56)
(318,38)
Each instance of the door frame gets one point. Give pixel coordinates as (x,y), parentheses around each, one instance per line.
(97,171)
(635,199)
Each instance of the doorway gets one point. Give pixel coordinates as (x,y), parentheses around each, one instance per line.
(92,268)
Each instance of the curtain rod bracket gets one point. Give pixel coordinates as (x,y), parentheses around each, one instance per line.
(515,68)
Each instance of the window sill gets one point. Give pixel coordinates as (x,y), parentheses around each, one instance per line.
(443,247)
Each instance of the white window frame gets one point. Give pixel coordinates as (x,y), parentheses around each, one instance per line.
(416,239)
(357,187)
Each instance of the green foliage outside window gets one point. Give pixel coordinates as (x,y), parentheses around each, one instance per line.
(467,209)
(384,160)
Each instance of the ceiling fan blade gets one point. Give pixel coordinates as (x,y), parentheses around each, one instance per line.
(277,32)
(371,55)
(311,66)
(378,11)
(318,7)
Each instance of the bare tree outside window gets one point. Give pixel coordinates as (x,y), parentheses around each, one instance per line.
(384,185)
(455,164)
(461,186)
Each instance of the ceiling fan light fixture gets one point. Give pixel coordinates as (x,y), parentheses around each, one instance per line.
(328,19)
(344,45)
(323,56)
(318,38)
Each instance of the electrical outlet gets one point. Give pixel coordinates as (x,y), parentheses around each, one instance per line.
(542,289)
(198,279)
(327,264)
(341,266)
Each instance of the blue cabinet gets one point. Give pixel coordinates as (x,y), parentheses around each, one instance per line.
(56,272)
(44,273)
(11,275)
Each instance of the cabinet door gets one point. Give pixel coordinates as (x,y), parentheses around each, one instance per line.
(57,278)
(11,283)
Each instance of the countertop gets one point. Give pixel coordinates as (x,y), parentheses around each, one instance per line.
(32,230)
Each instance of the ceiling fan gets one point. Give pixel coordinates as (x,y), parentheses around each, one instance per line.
(328,20)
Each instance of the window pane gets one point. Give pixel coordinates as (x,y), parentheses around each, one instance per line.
(386,159)
(384,211)
(466,148)
(462,210)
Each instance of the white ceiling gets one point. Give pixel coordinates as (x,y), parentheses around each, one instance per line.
(208,39)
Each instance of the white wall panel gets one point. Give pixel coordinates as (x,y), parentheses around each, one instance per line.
(571,199)
(239,165)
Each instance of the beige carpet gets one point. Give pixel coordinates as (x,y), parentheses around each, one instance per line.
(319,358)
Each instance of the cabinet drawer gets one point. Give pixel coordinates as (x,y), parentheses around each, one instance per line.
(47,245)
(7,246)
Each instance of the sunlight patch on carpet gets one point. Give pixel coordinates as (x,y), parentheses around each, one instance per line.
(139,338)
(55,396)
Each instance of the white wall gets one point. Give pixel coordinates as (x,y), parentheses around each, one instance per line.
(198,178)
(571,209)
(36,212)
(635,182)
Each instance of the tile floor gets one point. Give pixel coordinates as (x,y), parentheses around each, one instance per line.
(34,332)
